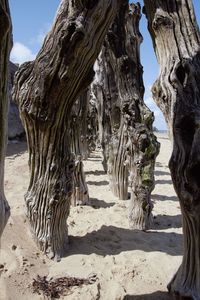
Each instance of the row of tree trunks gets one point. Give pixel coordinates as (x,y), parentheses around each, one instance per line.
(15,128)
(176,40)
(92,125)
(46,90)
(5,46)
(104,98)
(79,147)
(125,123)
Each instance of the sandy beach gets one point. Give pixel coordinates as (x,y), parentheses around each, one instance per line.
(126,264)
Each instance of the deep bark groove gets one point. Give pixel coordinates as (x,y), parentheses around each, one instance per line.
(177,93)
(46,90)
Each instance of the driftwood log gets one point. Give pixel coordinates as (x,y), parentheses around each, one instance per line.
(125,123)
(176,40)
(5,47)
(46,90)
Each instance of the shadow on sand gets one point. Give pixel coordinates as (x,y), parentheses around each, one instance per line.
(158,164)
(96,203)
(161,173)
(154,296)
(95,155)
(163,181)
(16,148)
(164,222)
(163,197)
(99,183)
(111,240)
(96,172)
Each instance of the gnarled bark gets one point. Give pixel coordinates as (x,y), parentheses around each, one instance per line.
(125,122)
(92,124)
(176,39)
(5,46)
(46,90)
(103,97)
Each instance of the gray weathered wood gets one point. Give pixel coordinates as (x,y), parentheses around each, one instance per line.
(79,147)
(176,40)
(46,90)
(15,128)
(125,123)
(5,46)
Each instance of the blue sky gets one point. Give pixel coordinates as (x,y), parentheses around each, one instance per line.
(33,19)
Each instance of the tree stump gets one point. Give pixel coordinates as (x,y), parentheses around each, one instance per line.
(176,40)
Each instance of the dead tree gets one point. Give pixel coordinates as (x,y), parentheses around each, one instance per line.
(103,97)
(176,40)
(92,124)
(79,125)
(46,90)
(15,128)
(79,146)
(5,46)
(125,122)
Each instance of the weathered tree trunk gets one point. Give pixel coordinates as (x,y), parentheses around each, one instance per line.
(5,46)
(103,97)
(84,108)
(79,146)
(109,103)
(176,39)
(80,195)
(46,90)
(15,128)
(92,124)
(125,122)
(79,125)
(117,163)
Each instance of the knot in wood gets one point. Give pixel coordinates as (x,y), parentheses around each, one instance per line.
(162,19)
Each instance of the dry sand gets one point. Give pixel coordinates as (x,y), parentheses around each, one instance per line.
(128,264)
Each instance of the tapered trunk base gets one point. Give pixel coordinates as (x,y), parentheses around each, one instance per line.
(140,216)
(186,282)
(117,167)
(48,224)
(80,195)
(142,178)
(53,247)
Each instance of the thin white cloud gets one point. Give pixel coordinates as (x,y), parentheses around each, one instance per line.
(21,53)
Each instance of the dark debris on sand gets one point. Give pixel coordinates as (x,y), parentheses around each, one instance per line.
(60,286)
